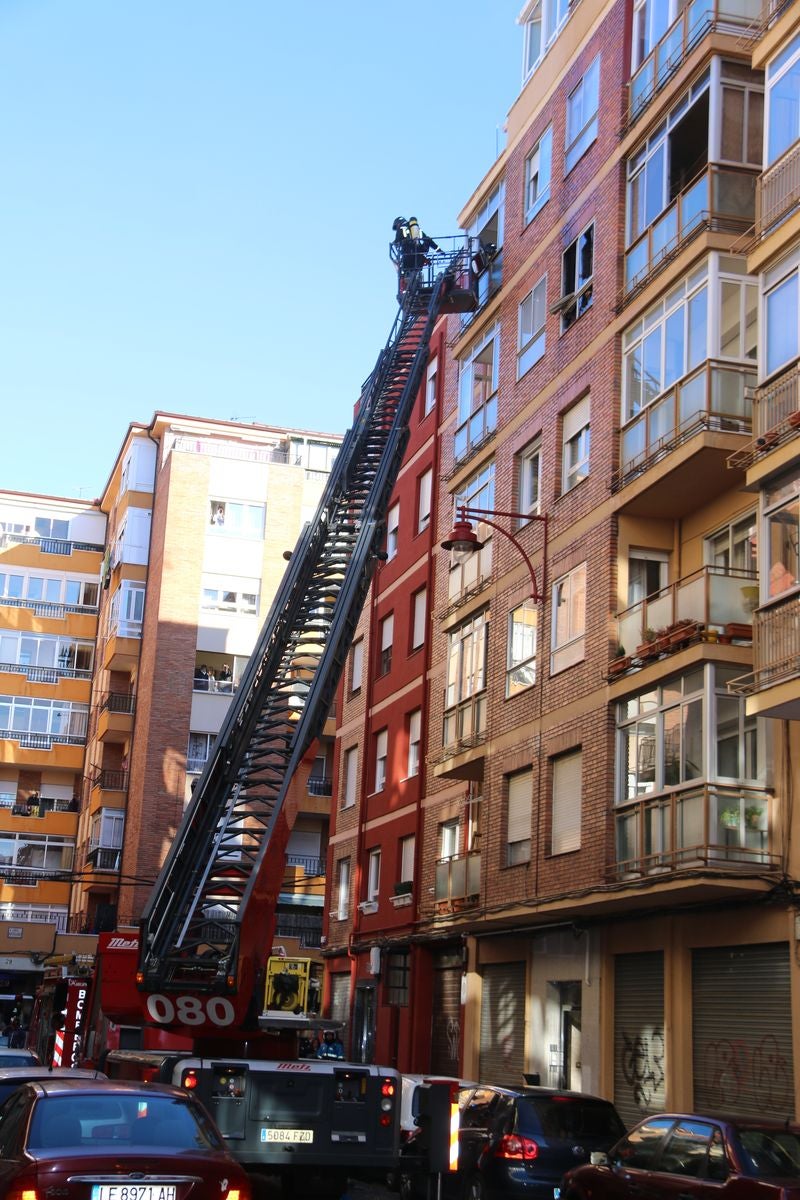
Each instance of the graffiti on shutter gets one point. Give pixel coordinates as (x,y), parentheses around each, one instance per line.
(639,1060)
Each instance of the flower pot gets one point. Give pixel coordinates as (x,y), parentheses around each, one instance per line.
(793,420)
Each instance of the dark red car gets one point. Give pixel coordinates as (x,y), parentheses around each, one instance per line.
(679,1157)
(96,1139)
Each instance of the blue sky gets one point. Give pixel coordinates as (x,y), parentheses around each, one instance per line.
(197,202)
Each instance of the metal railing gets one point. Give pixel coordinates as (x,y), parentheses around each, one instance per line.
(41,807)
(465,724)
(776,648)
(30,877)
(195,766)
(477,429)
(721,199)
(307,930)
(118,702)
(712,597)
(47,608)
(47,545)
(776,416)
(458,878)
(43,674)
(310,864)
(701,825)
(778,190)
(698,18)
(715,396)
(319,785)
(103,858)
(111,781)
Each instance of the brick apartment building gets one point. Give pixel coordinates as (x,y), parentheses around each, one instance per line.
(602,871)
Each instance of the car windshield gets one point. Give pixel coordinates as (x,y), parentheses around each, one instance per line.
(770,1153)
(118,1121)
(565,1117)
(23,1059)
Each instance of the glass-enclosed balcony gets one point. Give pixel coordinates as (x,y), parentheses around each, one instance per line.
(458,879)
(705,825)
(698,18)
(711,601)
(715,396)
(720,199)
(465,724)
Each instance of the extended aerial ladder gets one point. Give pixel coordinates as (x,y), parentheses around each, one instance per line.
(207,928)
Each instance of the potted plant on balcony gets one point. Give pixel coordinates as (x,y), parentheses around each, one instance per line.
(729,818)
(754,816)
(620,662)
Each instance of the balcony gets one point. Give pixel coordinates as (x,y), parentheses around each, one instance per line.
(39,808)
(29,877)
(309,864)
(457,882)
(698,18)
(713,602)
(110,781)
(49,608)
(319,785)
(713,401)
(465,725)
(776,417)
(195,766)
(47,545)
(720,199)
(475,431)
(776,662)
(705,825)
(115,721)
(778,191)
(103,858)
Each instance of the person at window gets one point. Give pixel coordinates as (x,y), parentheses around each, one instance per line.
(225,681)
(330,1046)
(201,679)
(780,579)
(218,515)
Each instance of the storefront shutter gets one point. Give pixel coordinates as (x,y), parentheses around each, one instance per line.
(639,1063)
(340,1003)
(742,1030)
(446,1025)
(502,1048)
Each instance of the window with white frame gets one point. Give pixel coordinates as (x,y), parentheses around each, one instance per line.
(538,166)
(529,478)
(387,638)
(565,833)
(518,817)
(541,20)
(781,312)
(431,376)
(569,619)
(343,889)
(45,650)
(108,827)
(419,610)
(236,518)
(521,652)
(470,570)
(783,100)
(781,566)
(577,274)
(230,594)
(647,573)
(36,852)
(651,20)
(414,741)
(531,327)
(19,584)
(392,525)
(197,751)
(350,777)
(127,609)
(63,719)
(373,874)
(582,105)
(575,434)
(406,859)
(465,695)
(449,838)
(356,664)
(485,232)
(381,755)
(735,546)
(424,490)
(54,528)
(477,393)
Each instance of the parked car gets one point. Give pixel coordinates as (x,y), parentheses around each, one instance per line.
(11,1057)
(519,1142)
(100,1139)
(13,1077)
(673,1155)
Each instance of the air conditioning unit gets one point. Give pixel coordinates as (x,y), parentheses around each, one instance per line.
(375,960)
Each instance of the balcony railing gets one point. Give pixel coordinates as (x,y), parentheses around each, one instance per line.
(716,396)
(776,647)
(307,930)
(30,877)
(43,674)
(778,191)
(713,598)
(195,766)
(319,785)
(720,199)
(47,545)
(458,879)
(477,429)
(39,808)
(702,825)
(118,702)
(47,608)
(310,865)
(103,858)
(776,417)
(111,781)
(465,724)
(698,18)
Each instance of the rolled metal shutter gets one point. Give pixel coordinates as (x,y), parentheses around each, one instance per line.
(502,1048)
(742,1030)
(340,1004)
(639,1063)
(446,1023)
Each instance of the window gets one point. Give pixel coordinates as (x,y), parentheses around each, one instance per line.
(521,653)
(542,23)
(582,115)
(430,386)
(54,718)
(647,573)
(782,314)
(529,477)
(406,859)
(569,619)
(197,751)
(651,20)
(235,518)
(781,570)
(229,594)
(52,527)
(448,839)
(373,874)
(127,610)
(537,175)
(414,738)
(398,972)
(108,826)
(387,637)
(783,100)
(477,394)
(419,608)
(576,438)
(734,547)
(518,817)
(566,820)
(531,328)
(424,487)
(577,266)
(350,777)
(381,752)
(469,571)
(485,231)
(343,889)
(465,698)
(356,665)
(392,523)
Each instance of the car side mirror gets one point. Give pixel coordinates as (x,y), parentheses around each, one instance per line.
(598,1158)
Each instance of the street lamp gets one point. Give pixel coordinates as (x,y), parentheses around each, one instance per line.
(463,539)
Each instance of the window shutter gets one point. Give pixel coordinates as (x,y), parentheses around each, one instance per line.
(407,858)
(566,833)
(575,418)
(350,774)
(520,801)
(357,664)
(387,632)
(419,618)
